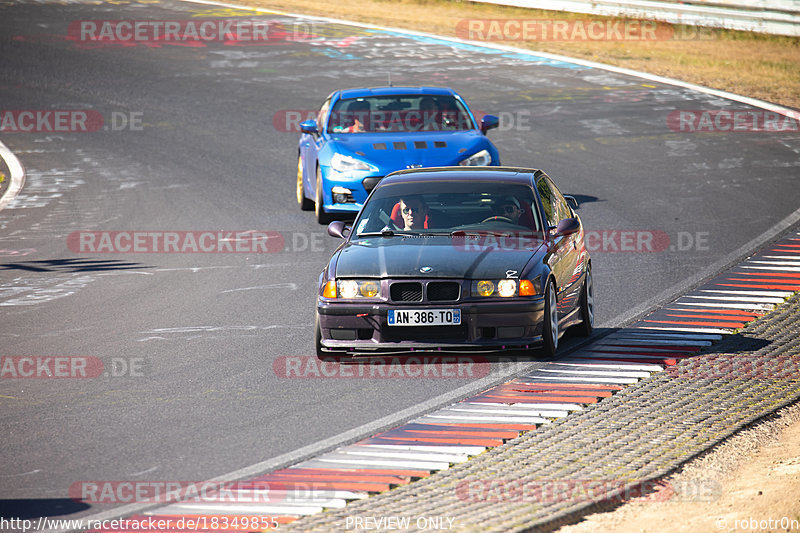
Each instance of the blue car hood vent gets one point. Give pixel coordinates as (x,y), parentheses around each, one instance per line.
(419,145)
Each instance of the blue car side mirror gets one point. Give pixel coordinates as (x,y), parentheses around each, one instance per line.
(308,126)
(489,122)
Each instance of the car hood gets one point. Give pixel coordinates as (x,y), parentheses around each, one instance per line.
(397,151)
(404,256)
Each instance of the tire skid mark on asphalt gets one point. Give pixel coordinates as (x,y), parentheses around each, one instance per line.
(452,434)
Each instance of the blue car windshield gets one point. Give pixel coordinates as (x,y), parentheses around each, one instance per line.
(448,206)
(399,113)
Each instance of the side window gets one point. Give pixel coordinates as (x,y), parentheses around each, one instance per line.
(547,200)
(559,202)
(555,205)
(323,111)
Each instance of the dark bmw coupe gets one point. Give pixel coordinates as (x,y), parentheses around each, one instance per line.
(459,259)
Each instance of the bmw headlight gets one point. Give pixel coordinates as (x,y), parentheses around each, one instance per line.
(346,163)
(481,159)
(504,288)
(358,288)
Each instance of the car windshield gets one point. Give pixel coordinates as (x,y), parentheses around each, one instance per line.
(448,207)
(399,113)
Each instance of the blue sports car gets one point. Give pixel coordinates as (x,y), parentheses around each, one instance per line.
(361,135)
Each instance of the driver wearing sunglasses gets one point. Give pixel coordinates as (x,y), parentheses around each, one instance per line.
(508,207)
(414,210)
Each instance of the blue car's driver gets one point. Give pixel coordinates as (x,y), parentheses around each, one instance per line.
(357,116)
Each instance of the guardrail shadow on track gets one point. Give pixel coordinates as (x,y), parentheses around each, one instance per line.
(73,265)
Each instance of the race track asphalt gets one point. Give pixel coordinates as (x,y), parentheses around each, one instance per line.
(212,153)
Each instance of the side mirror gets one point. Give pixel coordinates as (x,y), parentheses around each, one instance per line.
(489,122)
(572,201)
(568,226)
(308,126)
(337,229)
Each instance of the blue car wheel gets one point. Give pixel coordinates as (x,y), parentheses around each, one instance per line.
(305,203)
(319,207)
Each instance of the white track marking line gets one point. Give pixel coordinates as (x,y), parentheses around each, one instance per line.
(411,455)
(742,306)
(647,334)
(775,263)
(778,294)
(676,341)
(638,357)
(535,406)
(17,175)
(696,330)
(776,269)
(241,509)
(469,450)
(594,380)
(601,373)
(619,366)
(742,299)
(487,419)
(508,410)
(345,459)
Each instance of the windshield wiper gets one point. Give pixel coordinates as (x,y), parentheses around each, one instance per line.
(382,233)
(493,232)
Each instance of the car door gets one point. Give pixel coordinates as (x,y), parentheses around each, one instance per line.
(310,146)
(564,249)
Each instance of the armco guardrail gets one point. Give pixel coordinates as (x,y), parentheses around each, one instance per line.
(778,17)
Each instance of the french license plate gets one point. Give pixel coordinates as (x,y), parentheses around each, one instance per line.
(424,317)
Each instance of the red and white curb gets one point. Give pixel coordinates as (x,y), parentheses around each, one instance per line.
(453,434)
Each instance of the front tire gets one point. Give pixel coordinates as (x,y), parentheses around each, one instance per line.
(587,305)
(304,203)
(319,206)
(550,326)
(318,339)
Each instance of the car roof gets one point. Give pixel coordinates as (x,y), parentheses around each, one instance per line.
(383,91)
(504,174)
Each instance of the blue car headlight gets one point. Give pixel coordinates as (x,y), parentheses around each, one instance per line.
(346,163)
(480,159)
